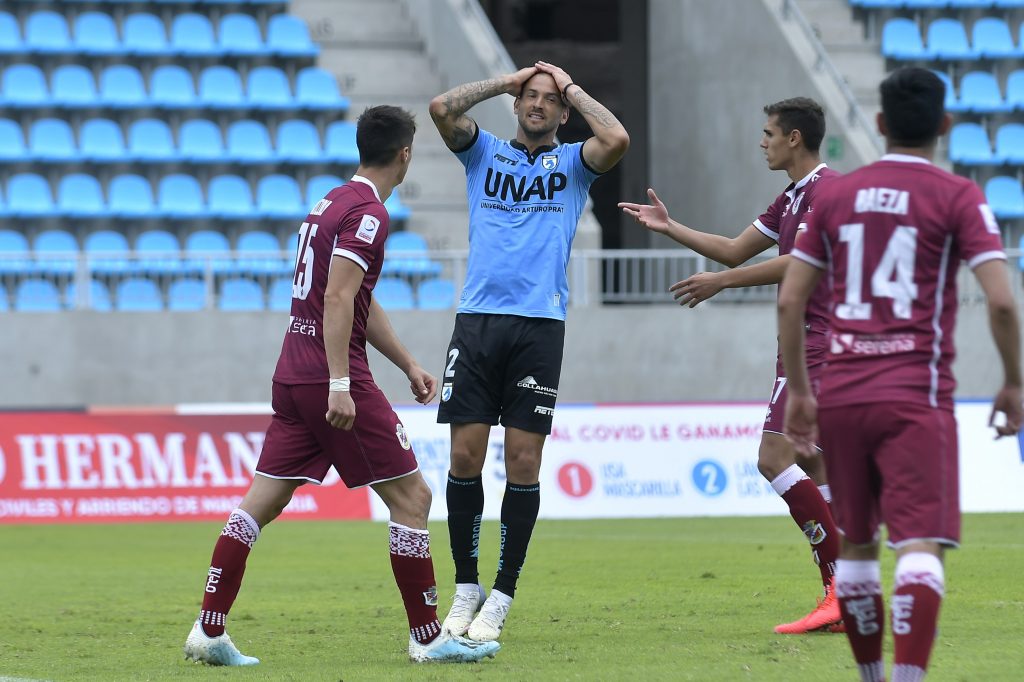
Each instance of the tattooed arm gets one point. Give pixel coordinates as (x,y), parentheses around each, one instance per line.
(448,110)
(610,140)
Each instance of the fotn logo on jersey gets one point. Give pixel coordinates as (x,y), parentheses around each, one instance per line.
(505,186)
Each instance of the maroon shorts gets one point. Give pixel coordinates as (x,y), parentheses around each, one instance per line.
(300,444)
(773,420)
(892,463)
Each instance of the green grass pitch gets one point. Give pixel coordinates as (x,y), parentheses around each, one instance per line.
(656,599)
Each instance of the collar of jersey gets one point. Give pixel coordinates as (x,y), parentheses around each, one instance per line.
(799,184)
(905,158)
(367,181)
(516,144)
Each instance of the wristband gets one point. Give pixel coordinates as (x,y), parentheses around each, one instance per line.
(339,385)
(565,90)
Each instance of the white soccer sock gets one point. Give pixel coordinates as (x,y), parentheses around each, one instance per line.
(787,479)
(921,568)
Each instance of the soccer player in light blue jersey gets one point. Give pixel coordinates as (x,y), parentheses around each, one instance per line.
(504,360)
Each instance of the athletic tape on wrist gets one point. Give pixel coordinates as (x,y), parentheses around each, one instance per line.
(341,384)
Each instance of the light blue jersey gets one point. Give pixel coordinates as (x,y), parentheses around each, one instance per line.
(522,219)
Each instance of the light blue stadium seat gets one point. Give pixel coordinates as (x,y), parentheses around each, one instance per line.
(237,294)
(298,142)
(1010,144)
(1005,197)
(288,36)
(25,86)
(97,297)
(394,294)
(259,253)
(14,253)
(970,4)
(201,142)
(12,141)
(316,89)
(159,252)
(979,93)
(79,195)
(10,35)
(969,145)
(121,86)
(1015,90)
(144,35)
(406,253)
(947,39)
(192,35)
(56,252)
(131,196)
(240,36)
(186,294)
(925,4)
(990,36)
(47,32)
(341,143)
(28,194)
(208,251)
(279,297)
(435,294)
(51,139)
(180,196)
(268,89)
(73,86)
(901,39)
(1009,4)
(397,211)
(278,196)
(171,87)
(229,196)
(35,295)
(137,294)
(108,252)
(95,33)
(5,305)
(101,140)
(320,186)
(952,102)
(149,139)
(220,87)
(249,142)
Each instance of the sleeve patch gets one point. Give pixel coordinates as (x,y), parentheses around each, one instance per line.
(989,217)
(367,231)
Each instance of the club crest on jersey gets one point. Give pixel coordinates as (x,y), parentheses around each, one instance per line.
(403,438)
(446,393)
(815,532)
(367,231)
(549,161)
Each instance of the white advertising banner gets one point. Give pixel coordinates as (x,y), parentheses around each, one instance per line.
(608,461)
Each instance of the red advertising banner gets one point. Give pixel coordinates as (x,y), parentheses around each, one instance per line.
(89,467)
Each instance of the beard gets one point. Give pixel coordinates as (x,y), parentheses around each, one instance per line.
(537,129)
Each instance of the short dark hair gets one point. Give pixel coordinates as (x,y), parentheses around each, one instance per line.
(913,104)
(381,131)
(803,114)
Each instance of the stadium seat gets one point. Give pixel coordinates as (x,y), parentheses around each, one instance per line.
(121,86)
(397,211)
(288,36)
(1015,90)
(280,295)
(144,35)
(35,295)
(947,39)
(969,145)
(1005,197)
(952,103)
(149,139)
(73,86)
(969,4)
(131,196)
(414,260)
(317,90)
(249,142)
(394,294)
(95,33)
(979,93)
(159,252)
(901,39)
(171,87)
(208,251)
(25,86)
(201,142)
(435,294)
(1010,144)
(278,197)
(79,195)
(12,141)
(50,139)
(268,89)
(47,32)
(240,36)
(187,294)
(108,252)
(101,140)
(341,143)
(56,252)
(10,35)
(137,294)
(220,87)
(320,186)
(990,36)
(192,35)
(29,194)
(229,196)
(180,196)
(298,142)
(14,253)
(237,294)
(259,253)
(96,297)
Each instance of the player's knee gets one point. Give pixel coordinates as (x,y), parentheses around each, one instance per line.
(773,460)
(465,463)
(523,465)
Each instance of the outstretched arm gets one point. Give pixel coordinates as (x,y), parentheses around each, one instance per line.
(382,336)
(610,140)
(704,285)
(448,110)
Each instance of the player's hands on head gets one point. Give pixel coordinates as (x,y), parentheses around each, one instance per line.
(697,288)
(801,425)
(1007,402)
(653,216)
(517,80)
(423,384)
(562,79)
(341,411)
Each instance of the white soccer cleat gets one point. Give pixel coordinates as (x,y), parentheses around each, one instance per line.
(467,601)
(214,650)
(449,648)
(488,623)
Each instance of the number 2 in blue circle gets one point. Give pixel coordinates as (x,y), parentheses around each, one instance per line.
(709,477)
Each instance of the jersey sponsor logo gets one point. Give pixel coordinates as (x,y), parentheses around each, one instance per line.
(549,161)
(505,159)
(883,344)
(546,411)
(367,231)
(815,532)
(320,207)
(505,186)
(403,437)
(531,383)
(446,393)
(301,325)
(430,596)
(882,200)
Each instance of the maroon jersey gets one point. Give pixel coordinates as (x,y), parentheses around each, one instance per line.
(892,235)
(785,218)
(349,222)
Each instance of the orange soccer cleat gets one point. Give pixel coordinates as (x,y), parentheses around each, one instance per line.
(825,616)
